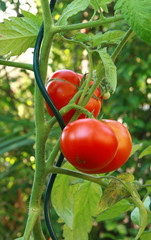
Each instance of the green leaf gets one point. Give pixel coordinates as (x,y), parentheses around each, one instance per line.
(16,142)
(135,148)
(110,37)
(72,9)
(82,37)
(115,191)
(97,4)
(19,34)
(115,210)
(110,68)
(137,13)
(149,187)
(146,235)
(145,152)
(62,196)
(68,195)
(135,215)
(86,202)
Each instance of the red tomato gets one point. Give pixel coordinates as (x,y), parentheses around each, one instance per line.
(88,144)
(62,86)
(124,145)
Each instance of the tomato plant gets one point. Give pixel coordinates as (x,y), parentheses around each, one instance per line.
(62,86)
(88,144)
(92,146)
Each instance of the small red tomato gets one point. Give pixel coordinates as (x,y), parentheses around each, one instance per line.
(124,145)
(62,86)
(88,144)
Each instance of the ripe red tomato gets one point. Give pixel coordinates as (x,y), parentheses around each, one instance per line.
(62,86)
(88,144)
(124,146)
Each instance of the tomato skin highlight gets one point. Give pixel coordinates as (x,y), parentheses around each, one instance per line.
(62,86)
(124,146)
(88,144)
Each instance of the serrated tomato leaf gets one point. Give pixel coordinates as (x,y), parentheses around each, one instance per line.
(137,13)
(87,196)
(110,37)
(18,34)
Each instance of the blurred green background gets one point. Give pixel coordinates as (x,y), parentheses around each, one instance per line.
(130,104)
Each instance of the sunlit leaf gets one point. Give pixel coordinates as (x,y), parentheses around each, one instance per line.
(115,210)
(137,13)
(18,34)
(73,8)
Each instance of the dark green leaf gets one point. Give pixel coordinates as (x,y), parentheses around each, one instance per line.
(13,144)
(137,13)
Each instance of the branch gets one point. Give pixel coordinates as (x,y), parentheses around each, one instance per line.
(17,64)
(119,47)
(90,24)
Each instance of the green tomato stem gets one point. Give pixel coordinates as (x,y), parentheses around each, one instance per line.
(90,24)
(119,47)
(37,230)
(17,64)
(33,216)
(41,131)
(135,198)
(84,176)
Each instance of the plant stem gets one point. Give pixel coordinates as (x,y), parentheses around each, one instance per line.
(92,178)
(52,156)
(84,176)
(37,231)
(17,64)
(142,210)
(41,131)
(126,37)
(90,24)
(33,215)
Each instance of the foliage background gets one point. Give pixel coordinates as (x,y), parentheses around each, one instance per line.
(130,104)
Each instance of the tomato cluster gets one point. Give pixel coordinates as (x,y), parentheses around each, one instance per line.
(94,146)
(62,86)
(90,145)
